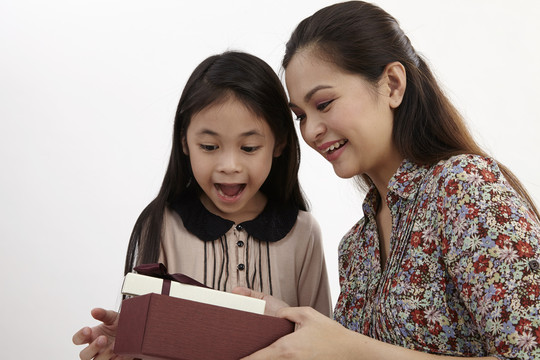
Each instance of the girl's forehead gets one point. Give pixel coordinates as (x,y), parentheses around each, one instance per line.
(231,116)
(229,102)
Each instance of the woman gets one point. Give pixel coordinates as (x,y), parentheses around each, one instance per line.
(445,261)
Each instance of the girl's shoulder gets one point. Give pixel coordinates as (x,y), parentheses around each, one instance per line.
(304,234)
(170,215)
(305,221)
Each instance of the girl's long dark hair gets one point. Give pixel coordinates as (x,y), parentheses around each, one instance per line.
(361,38)
(256,85)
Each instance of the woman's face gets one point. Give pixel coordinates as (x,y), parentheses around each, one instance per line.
(343,117)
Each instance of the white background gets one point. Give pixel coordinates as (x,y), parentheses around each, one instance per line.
(88,91)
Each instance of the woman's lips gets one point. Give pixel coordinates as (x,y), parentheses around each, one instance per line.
(332,146)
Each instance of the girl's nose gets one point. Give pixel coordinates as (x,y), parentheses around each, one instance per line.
(229,162)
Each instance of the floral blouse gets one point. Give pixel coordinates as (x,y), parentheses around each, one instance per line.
(463,274)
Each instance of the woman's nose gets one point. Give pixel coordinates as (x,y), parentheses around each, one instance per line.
(312,129)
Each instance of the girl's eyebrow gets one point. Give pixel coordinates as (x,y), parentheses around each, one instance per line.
(251,133)
(244,134)
(207,132)
(312,92)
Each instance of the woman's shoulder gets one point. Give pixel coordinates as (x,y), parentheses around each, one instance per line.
(468,179)
(467,162)
(467,168)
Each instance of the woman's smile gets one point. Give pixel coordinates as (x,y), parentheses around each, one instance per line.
(332,150)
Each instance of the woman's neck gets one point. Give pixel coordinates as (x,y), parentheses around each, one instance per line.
(382,176)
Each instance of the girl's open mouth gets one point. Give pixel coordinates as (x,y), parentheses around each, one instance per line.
(229,191)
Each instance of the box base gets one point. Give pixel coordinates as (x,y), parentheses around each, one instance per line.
(159,327)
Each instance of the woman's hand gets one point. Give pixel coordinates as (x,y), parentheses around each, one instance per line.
(316,337)
(313,337)
(100,338)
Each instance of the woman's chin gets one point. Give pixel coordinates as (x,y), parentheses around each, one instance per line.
(344,173)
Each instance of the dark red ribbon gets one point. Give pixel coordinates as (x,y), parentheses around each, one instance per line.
(159,270)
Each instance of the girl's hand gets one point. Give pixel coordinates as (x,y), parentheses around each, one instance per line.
(100,338)
(272,304)
(316,337)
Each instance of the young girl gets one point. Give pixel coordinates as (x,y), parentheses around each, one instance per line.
(445,262)
(230,211)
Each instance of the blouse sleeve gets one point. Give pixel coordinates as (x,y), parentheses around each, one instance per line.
(490,245)
(313,287)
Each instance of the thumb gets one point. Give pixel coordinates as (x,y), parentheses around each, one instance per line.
(298,315)
(108,317)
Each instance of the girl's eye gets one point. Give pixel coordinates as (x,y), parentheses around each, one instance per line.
(324,105)
(208,147)
(250,149)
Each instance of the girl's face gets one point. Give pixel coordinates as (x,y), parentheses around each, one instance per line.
(343,117)
(231,151)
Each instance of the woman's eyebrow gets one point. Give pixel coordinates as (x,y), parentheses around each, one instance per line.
(312,92)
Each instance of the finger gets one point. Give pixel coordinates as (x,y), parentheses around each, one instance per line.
(108,317)
(82,336)
(248,292)
(298,315)
(106,354)
(92,350)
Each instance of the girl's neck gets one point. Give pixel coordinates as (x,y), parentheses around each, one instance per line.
(249,212)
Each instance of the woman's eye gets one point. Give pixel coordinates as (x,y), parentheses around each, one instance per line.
(208,147)
(249,149)
(300,117)
(324,105)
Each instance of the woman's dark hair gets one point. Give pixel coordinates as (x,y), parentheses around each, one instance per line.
(253,82)
(362,38)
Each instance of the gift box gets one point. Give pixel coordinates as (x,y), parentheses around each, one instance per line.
(158,327)
(137,284)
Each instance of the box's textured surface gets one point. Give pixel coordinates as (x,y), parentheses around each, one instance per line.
(161,327)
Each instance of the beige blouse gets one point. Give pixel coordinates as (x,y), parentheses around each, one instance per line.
(291,268)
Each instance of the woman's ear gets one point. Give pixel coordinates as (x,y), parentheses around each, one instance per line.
(395,79)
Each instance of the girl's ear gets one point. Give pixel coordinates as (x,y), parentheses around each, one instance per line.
(278,149)
(184,146)
(395,80)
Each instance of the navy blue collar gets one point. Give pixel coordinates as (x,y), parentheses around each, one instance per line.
(272,224)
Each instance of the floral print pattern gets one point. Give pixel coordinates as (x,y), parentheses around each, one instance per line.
(462,277)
